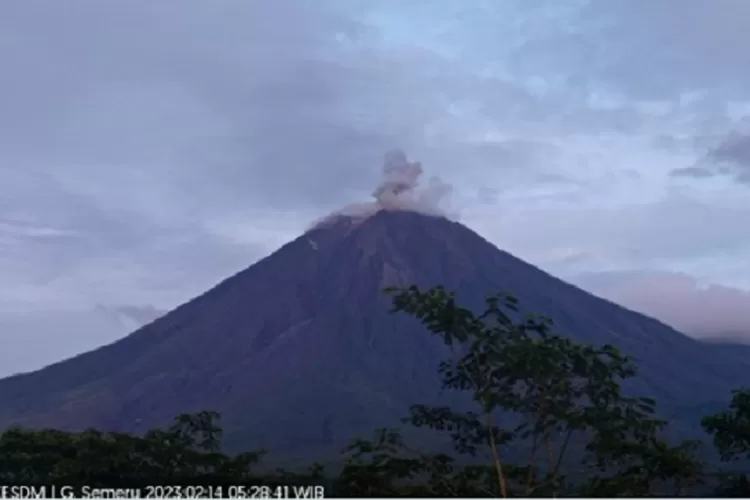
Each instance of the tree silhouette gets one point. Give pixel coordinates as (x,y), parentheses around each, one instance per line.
(534,390)
(731,433)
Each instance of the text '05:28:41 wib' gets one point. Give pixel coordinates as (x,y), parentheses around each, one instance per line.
(275,492)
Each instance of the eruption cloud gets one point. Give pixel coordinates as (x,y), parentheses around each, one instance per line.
(399,189)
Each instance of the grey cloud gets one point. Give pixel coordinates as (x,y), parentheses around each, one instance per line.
(657,232)
(676,44)
(82,229)
(487,195)
(693,171)
(136,316)
(141,314)
(556,179)
(31,341)
(678,300)
(278,100)
(735,149)
(734,152)
(730,157)
(641,49)
(34,340)
(262,94)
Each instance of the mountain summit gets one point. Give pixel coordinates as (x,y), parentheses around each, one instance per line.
(300,348)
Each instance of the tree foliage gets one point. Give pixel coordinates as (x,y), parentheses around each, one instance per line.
(731,434)
(533,390)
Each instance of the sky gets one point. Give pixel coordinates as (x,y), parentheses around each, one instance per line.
(150,149)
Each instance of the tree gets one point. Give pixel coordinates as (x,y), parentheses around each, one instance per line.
(185,453)
(557,401)
(731,434)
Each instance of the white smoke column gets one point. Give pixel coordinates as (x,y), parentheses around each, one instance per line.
(400,190)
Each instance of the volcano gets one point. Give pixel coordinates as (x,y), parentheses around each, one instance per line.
(300,349)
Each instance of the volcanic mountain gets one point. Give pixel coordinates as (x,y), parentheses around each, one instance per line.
(300,349)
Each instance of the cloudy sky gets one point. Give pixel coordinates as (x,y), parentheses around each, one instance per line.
(149,149)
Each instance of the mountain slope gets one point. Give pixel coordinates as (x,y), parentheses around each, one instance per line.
(300,349)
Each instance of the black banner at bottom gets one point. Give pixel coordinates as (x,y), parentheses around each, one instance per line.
(264,491)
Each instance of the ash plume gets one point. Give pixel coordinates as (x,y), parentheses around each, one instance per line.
(399,189)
